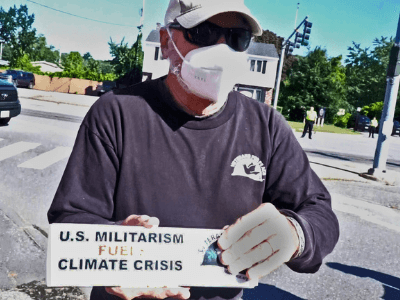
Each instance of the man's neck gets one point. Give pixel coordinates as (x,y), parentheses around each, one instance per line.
(190,103)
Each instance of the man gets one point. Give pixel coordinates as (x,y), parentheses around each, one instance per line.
(180,152)
(311,116)
(372,127)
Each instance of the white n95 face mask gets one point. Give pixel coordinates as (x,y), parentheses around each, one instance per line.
(211,72)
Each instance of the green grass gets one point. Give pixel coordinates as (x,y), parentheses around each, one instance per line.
(299,126)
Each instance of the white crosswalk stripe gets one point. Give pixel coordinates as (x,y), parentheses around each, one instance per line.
(15,149)
(47,159)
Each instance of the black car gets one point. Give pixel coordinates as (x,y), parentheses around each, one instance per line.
(9,104)
(21,78)
(396,128)
(359,123)
(105,87)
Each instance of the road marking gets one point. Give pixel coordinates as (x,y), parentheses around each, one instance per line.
(373,213)
(47,159)
(15,149)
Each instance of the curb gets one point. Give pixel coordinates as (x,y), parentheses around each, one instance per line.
(34,233)
(57,101)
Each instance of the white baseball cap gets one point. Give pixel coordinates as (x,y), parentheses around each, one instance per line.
(190,13)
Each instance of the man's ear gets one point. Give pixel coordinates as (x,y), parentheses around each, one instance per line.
(164,37)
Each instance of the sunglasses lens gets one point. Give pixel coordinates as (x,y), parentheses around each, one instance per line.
(207,34)
(203,34)
(238,39)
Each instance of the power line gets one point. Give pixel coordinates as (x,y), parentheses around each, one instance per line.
(67,13)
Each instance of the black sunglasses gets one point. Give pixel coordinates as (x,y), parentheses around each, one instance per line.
(207,34)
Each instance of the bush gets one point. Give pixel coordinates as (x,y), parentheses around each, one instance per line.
(341,121)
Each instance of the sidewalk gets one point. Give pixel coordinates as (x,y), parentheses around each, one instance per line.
(60,98)
(23,279)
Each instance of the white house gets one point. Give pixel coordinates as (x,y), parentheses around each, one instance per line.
(47,66)
(258,83)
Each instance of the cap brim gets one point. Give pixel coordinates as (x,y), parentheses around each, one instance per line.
(197,16)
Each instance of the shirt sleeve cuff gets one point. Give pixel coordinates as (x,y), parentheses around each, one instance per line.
(300,235)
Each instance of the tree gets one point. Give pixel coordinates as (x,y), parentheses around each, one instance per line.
(127,61)
(73,65)
(17,31)
(366,73)
(42,52)
(374,110)
(314,80)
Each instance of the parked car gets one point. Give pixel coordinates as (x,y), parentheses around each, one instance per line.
(396,128)
(359,123)
(21,78)
(9,103)
(105,87)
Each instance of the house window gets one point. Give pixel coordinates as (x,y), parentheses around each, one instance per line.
(264,66)
(252,65)
(157,53)
(259,64)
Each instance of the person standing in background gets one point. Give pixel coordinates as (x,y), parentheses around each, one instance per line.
(311,117)
(372,127)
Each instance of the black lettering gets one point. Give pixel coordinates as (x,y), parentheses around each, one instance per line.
(122,264)
(100,238)
(113,261)
(178,239)
(178,265)
(71,265)
(60,266)
(136,266)
(152,236)
(133,235)
(62,238)
(103,265)
(80,236)
(92,265)
(156,265)
(167,238)
(164,265)
(148,264)
(142,237)
(116,239)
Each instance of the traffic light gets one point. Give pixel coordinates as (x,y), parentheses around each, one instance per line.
(306,33)
(298,39)
(290,47)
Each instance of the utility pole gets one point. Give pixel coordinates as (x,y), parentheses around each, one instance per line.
(392,88)
(1,49)
(297,11)
(141,18)
(288,46)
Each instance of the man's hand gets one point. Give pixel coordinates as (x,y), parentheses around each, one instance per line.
(260,242)
(143,293)
(162,293)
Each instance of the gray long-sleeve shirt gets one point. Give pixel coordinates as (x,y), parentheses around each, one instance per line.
(137,153)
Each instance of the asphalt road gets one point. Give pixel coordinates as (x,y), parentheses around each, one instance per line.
(364,265)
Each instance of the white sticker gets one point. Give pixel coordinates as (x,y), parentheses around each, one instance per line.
(131,256)
(5,114)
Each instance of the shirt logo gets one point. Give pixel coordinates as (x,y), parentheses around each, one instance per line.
(250,166)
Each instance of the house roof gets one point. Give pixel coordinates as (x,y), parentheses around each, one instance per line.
(259,49)
(154,36)
(262,49)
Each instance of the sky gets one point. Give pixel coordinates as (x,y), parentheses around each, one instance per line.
(336,23)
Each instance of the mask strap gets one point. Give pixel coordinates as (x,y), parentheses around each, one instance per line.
(173,43)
